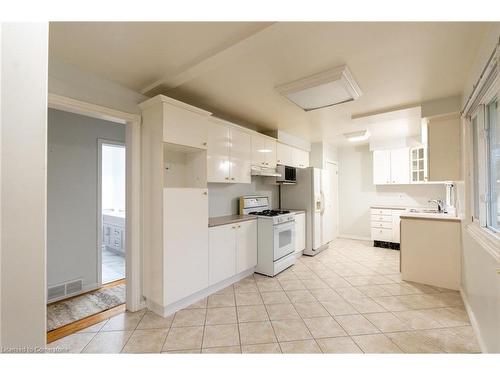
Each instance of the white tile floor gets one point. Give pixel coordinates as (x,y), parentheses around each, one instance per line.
(348,299)
(113,266)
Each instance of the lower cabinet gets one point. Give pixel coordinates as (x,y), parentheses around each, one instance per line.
(232,249)
(300,232)
(385,224)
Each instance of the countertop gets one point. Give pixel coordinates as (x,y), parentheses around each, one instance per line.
(392,206)
(230,219)
(294,211)
(429,216)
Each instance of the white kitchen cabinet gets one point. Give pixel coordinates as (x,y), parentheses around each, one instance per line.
(240,156)
(185,259)
(263,151)
(381,167)
(232,249)
(385,224)
(300,232)
(391,166)
(400,166)
(229,153)
(185,127)
(246,245)
(300,158)
(222,259)
(284,154)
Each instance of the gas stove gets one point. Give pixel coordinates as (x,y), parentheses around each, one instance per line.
(275,232)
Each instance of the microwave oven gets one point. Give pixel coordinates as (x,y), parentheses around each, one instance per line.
(288,174)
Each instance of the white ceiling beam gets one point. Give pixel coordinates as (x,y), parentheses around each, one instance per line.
(187,73)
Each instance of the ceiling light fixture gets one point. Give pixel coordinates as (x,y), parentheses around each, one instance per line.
(322,90)
(362,135)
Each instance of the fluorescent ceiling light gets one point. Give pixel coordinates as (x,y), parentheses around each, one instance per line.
(362,135)
(322,90)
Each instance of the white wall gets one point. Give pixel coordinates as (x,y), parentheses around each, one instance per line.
(223,198)
(113,177)
(357,192)
(480,285)
(23,184)
(72,195)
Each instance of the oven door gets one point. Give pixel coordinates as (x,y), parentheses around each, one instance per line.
(284,239)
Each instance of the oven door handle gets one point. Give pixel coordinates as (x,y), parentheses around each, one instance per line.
(284,226)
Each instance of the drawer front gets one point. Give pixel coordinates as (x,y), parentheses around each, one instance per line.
(381,218)
(381,234)
(381,211)
(382,224)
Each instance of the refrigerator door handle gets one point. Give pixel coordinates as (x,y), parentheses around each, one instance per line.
(322,202)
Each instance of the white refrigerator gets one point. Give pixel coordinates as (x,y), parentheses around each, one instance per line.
(312,192)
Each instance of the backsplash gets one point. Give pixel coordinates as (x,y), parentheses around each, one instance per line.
(409,195)
(223,198)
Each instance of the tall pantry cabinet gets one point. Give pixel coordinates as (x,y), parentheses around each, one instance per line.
(175,201)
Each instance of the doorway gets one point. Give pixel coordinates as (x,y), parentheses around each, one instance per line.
(111,211)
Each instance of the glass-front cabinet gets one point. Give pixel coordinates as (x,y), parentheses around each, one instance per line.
(418,160)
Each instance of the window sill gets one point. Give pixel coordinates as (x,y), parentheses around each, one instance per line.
(488,239)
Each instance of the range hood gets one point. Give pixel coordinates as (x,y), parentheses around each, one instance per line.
(264,171)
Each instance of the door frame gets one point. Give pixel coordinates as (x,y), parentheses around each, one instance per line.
(100,143)
(134,300)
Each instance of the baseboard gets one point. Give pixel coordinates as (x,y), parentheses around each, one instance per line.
(187,301)
(473,322)
(354,237)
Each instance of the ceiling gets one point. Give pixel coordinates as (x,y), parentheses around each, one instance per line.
(232,68)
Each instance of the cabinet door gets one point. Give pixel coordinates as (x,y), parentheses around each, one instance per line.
(284,154)
(396,223)
(381,167)
(218,153)
(301,158)
(184,127)
(246,245)
(222,250)
(300,232)
(240,156)
(185,244)
(400,166)
(271,154)
(259,150)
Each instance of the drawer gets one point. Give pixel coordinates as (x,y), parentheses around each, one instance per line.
(381,234)
(381,218)
(382,224)
(382,211)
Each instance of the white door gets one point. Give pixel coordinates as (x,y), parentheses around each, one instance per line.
(246,245)
(218,153)
(185,229)
(381,167)
(241,156)
(222,252)
(400,166)
(333,198)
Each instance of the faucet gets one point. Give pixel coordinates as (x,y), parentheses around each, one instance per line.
(440,204)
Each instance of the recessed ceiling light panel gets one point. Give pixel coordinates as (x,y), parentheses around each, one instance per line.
(322,90)
(362,135)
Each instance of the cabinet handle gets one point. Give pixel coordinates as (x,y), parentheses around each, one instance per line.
(239,226)
(204,143)
(204,193)
(233,227)
(232,178)
(227,178)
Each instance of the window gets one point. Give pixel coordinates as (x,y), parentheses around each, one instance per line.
(475,166)
(493,172)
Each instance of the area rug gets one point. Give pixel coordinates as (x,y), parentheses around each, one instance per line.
(68,311)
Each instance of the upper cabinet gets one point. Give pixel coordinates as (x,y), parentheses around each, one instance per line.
(443,142)
(291,156)
(229,153)
(263,151)
(183,124)
(391,166)
(418,164)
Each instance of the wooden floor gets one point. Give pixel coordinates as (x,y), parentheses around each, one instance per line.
(68,329)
